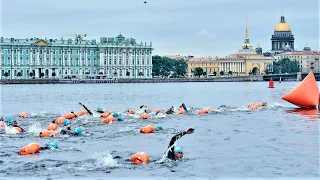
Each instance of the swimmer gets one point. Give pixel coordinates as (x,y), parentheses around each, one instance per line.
(100,110)
(86,108)
(175,152)
(36,147)
(51,145)
(170,111)
(66,124)
(76,132)
(264,104)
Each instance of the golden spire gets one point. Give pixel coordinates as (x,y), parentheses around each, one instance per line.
(247,35)
(306,45)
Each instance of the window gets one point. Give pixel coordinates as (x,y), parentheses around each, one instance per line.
(142,61)
(120,72)
(120,61)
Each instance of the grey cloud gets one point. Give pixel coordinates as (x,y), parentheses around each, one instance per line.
(202,27)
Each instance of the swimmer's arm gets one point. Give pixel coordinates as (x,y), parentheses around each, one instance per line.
(86,108)
(178,136)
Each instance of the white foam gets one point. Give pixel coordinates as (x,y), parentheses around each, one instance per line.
(105,159)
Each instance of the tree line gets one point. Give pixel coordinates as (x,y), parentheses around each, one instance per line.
(164,66)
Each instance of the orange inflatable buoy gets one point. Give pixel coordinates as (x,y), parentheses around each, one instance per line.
(140,158)
(23,114)
(30,149)
(147,129)
(60,120)
(52,127)
(109,120)
(105,115)
(82,112)
(306,94)
(144,116)
(18,129)
(131,111)
(69,116)
(46,133)
(182,111)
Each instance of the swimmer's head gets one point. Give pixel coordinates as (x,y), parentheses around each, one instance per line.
(9,120)
(78,130)
(99,108)
(128,108)
(115,114)
(120,118)
(178,152)
(264,103)
(66,122)
(53,145)
(158,128)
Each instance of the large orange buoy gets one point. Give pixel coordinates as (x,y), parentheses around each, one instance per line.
(82,112)
(147,129)
(46,133)
(60,120)
(30,149)
(144,116)
(105,115)
(306,94)
(140,158)
(271,84)
(52,127)
(18,129)
(69,116)
(108,120)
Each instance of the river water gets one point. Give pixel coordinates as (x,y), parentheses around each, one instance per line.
(279,141)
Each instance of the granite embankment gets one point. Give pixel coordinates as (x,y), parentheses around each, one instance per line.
(153,80)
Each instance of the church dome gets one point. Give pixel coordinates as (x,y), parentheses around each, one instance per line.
(307,48)
(282,26)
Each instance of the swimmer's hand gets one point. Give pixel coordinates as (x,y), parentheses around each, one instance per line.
(190,131)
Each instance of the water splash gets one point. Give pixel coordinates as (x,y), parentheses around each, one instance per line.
(35,128)
(10,130)
(105,159)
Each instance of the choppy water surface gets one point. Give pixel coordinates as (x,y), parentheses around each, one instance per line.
(277,142)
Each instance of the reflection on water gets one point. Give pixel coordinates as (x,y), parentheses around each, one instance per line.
(311,113)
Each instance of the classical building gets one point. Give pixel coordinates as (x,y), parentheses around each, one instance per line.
(117,57)
(308,60)
(246,61)
(209,65)
(282,39)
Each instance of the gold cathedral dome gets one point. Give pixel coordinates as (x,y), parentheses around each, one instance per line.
(282,26)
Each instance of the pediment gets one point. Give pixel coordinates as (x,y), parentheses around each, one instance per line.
(41,42)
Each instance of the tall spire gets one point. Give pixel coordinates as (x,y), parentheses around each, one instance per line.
(247,35)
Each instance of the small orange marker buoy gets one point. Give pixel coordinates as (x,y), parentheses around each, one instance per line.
(271,84)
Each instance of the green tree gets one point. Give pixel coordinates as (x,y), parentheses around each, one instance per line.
(230,73)
(204,73)
(215,73)
(31,74)
(6,74)
(285,65)
(53,74)
(198,71)
(221,73)
(41,75)
(267,54)
(161,66)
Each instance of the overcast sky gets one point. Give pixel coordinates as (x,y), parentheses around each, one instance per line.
(185,27)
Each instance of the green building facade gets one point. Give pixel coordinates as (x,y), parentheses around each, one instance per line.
(117,57)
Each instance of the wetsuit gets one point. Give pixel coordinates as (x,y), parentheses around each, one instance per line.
(100,111)
(173,140)
(170,111)
(86,108)
(68,132)
(44,148)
